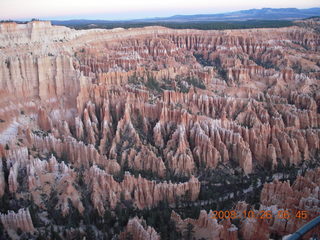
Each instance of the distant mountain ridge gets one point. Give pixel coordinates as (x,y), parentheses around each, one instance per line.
(243,15)
(252,14)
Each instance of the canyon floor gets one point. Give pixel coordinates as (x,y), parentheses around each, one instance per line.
(142,133)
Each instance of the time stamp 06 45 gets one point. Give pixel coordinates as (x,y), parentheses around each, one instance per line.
(262,214)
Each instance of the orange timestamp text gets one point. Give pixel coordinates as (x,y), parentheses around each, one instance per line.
(262,214)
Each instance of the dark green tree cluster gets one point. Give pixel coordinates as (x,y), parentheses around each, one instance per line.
(202,25)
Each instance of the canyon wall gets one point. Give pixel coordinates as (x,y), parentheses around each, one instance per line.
(97,119)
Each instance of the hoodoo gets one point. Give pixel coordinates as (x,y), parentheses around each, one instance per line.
(103,131)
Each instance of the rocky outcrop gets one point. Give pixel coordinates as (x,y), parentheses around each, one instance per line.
(178,152)
(33,32)
(43,180)
(20,220)
(282,190)
(16,155)
(142,192)
(277,197)
(146,160)
(252,228)
(205,227)
(44,121)
(16,159)
(284,195)
(138,229)
(50,178)
(47,77)
(76,152)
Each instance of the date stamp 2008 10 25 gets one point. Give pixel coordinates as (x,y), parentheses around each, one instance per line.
(262,214)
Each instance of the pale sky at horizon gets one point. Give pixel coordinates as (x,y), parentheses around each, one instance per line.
(132,9)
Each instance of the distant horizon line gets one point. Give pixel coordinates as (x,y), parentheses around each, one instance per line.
(146,18)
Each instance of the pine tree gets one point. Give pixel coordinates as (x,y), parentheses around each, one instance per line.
(189,231)
(90,233)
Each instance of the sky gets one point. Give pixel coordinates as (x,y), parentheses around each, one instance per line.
(132,9)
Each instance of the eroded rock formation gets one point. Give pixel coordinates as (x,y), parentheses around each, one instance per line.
(205,227)
(51,179)
(79,110)
(299,200)
(20,220)
(137,229)
(142,192)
